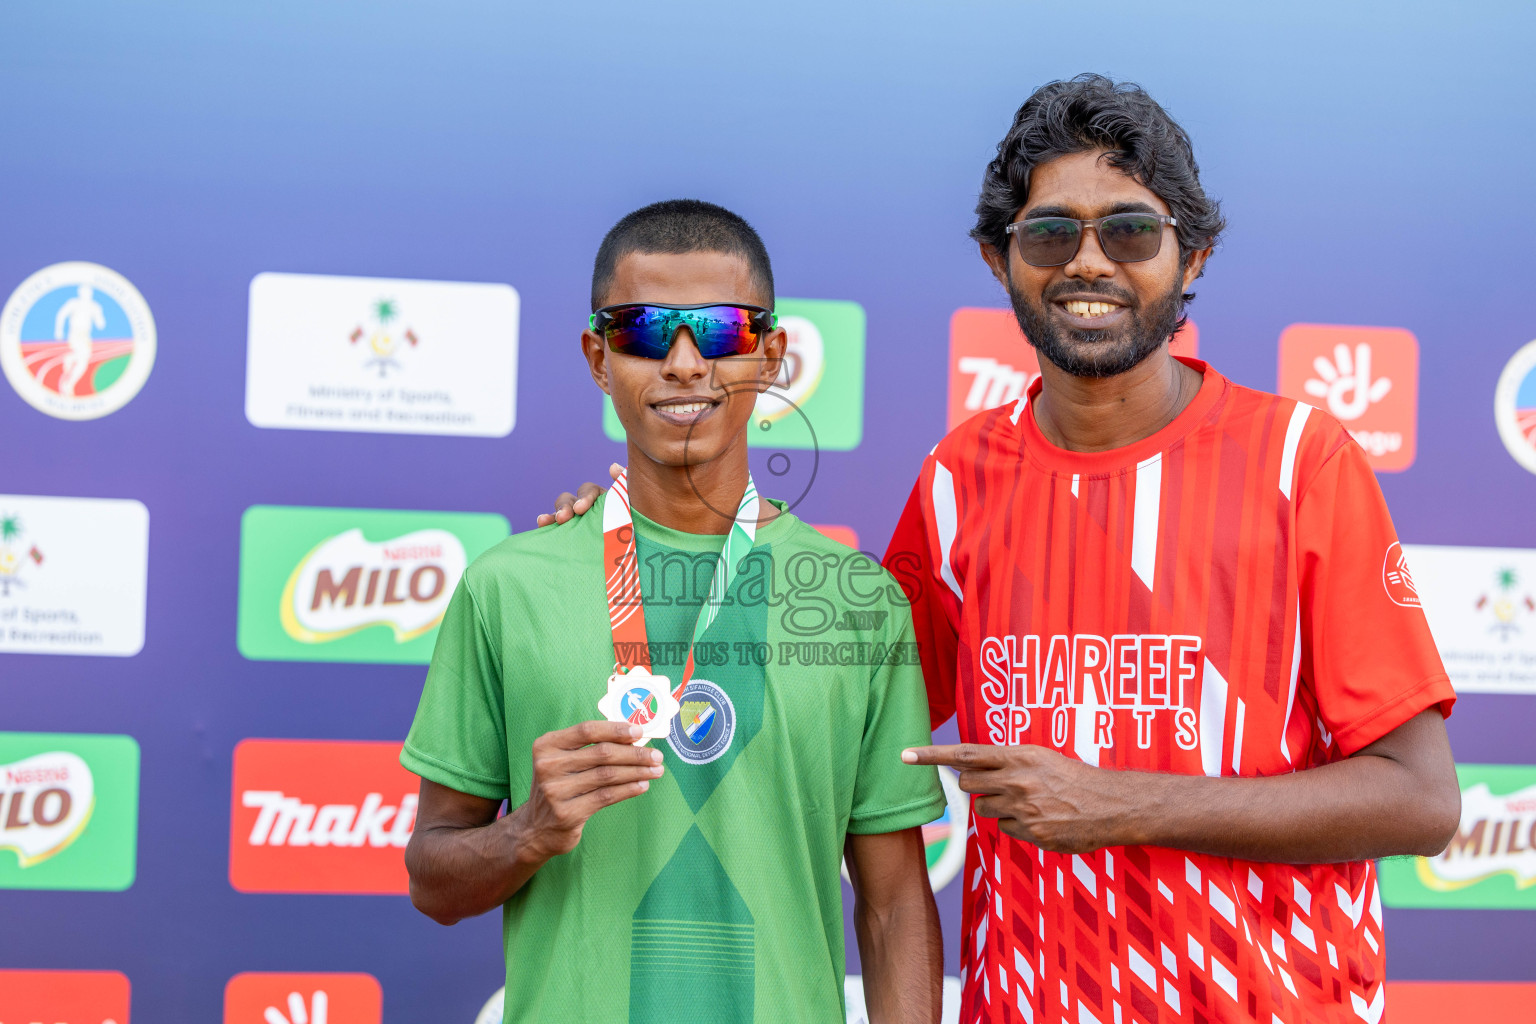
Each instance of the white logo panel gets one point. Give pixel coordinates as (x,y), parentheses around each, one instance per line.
(73,574)
(382,355)
(1481,606)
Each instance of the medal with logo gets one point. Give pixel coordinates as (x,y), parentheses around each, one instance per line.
(634,694)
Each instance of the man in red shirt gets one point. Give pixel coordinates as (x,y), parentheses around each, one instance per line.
(1195,686)
(1197,693)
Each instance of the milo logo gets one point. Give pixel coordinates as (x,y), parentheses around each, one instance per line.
(346,584)
(1490,864)
(339,584)
(68,811)
(45,803)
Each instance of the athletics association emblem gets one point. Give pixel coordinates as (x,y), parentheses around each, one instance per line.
(383,337)
(1514,406)
(705,723)
(77,341)
(639,698)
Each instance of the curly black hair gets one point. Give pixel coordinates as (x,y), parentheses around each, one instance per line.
(1094,112)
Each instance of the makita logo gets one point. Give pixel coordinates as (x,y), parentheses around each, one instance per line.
(348,583)
(284,820)
(45,803)
(993,383)
(319,816)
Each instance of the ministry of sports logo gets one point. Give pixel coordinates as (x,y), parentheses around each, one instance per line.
(703,729)
(1514,406)
(77,341)
(381,355)
(382,336)
(1509,603)
(16,556)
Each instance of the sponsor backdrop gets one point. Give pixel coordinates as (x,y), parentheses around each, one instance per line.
(291,298)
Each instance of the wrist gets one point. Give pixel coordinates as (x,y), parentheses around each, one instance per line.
(1147,807)
(531,848)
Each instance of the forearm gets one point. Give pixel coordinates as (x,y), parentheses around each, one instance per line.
(902,954)
(1359,808)
(463,872)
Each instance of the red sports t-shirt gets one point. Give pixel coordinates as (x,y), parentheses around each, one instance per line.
(1226,597)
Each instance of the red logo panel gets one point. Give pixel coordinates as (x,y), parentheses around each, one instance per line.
(1365,377)
(842,534)
(260,998)
(1437,1002)
(63,997)
(313,816)
(991,363)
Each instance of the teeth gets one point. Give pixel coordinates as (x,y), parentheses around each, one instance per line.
(686,409)
(1089,309)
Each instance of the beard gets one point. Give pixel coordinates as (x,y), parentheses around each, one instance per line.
(1099,353)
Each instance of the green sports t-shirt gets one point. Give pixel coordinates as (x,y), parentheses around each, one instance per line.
(715,895)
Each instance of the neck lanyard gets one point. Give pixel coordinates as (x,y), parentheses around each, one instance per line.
(626,614)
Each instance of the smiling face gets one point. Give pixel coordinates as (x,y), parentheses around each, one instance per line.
(684,409)
(1093,317)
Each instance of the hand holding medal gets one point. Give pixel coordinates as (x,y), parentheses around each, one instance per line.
(634,695)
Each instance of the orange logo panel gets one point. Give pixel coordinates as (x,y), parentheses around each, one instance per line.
(1365,377)
(1437,1002)
(313,816)
(991,364)
(63,997)
(261,998)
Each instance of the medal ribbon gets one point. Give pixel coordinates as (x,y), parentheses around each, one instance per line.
(626,614)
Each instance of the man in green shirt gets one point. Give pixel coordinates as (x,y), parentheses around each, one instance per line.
(695,876)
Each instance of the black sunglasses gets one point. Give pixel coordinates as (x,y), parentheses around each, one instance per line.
(1124,237)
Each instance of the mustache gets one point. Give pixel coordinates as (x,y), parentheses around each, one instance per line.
(1076,288)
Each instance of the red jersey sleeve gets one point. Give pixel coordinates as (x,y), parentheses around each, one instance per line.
(913,557)
(1365,644)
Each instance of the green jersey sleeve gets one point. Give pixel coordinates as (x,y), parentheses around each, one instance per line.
(889,795)
(458,738)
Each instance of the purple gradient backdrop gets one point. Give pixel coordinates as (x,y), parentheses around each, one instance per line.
(1373,161)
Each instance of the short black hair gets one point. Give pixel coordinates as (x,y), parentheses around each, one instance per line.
(1094,112)
(680,226)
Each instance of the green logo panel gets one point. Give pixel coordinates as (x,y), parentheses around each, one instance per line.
(1491,862)
(69,811)
(819,402)
(359,585)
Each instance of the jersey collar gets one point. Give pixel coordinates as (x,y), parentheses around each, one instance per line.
(1213,387)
